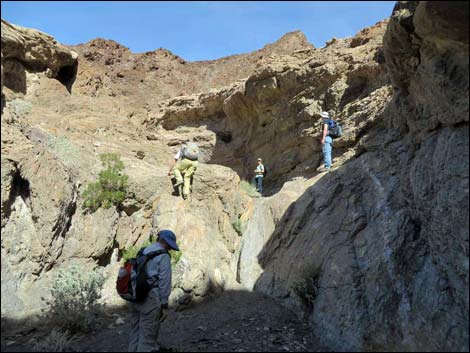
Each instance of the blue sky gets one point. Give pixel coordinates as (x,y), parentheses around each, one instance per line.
(199,30)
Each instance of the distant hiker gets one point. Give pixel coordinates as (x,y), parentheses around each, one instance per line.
(330,131)
(259,174)
(185,163)
(147,314)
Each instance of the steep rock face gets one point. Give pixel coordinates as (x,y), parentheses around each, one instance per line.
(51,141)
(33,226)
(388,230)
(281,101)
(427,53)
(45,226)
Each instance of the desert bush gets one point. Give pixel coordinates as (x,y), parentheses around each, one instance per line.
(131,252)
(238,227)
(249,189)
(74,298)
(111,187)
(175,257)
(307,286)
(56,341)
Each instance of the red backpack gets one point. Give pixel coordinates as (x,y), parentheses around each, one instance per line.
(131,282)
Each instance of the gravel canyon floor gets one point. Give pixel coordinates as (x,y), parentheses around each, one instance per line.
(237,321)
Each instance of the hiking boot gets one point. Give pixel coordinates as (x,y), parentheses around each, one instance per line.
(185,197)
(177,188)
(177,191)
(322,169)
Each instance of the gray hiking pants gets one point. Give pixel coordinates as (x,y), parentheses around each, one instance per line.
(145,323)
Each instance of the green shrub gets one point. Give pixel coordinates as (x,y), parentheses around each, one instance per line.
(238,227)
(249,189)
(307,285)
(74,303)
(175,257)
(111,187)
(131,252)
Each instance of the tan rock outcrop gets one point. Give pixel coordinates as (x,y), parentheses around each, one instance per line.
(27,49)
(237,124)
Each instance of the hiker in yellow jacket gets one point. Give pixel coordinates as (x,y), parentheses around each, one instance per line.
(185,163)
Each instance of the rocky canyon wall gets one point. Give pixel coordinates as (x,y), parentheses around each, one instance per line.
(387,231)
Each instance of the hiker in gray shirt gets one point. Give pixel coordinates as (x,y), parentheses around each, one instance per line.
(259,174)
(146,316)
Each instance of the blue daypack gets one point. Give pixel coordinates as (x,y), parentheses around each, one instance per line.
(334,129)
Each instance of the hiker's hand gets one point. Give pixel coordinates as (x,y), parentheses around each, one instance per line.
(169,172)
(322,141)
(164,315)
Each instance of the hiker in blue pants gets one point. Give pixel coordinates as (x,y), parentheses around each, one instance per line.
(327,143)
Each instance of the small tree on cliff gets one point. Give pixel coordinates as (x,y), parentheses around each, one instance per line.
(111,187)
